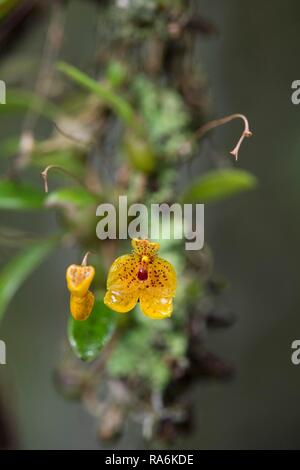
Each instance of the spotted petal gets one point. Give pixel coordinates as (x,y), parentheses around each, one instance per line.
(122,284)
(156,298)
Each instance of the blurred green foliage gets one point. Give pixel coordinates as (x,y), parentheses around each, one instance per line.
(20,267)
(129,130)
(20,196)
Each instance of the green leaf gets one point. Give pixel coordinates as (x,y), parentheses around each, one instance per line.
(19,268)
(19,196)
(117,103)
(219,184)
(78,197)
(88,337)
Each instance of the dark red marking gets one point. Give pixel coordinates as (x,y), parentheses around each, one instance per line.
(142,274)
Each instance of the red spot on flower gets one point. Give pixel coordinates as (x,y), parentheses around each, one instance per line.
(142,274)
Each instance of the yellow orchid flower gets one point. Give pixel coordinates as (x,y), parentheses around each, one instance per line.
(79,279)
(142,276)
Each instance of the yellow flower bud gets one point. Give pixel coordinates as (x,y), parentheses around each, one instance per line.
(81,307)
(79,279)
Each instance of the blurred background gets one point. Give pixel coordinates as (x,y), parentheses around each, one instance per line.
(249,64)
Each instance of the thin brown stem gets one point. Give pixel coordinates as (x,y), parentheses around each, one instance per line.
(56,167)
(219,122)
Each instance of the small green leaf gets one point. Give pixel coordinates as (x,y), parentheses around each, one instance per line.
(117,103)
(78,197)
(219,184)
(88,337)
(19,196)
(19,268)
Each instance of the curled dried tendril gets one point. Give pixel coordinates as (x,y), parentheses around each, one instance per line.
(219,122)
(142,276)
(79,279)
